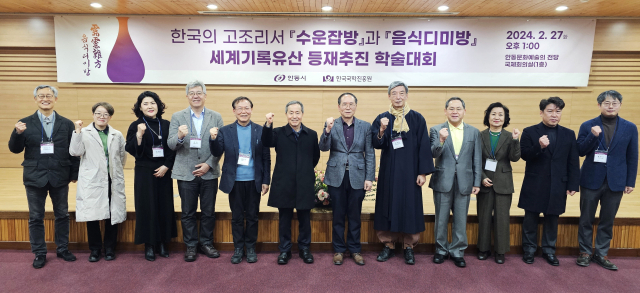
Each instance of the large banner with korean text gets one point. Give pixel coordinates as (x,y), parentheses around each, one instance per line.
(324,52)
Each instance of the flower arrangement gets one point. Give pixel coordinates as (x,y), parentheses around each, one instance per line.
(322,197)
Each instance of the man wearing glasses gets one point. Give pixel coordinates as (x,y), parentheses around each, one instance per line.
(610,145)
(48,168)
(196,169)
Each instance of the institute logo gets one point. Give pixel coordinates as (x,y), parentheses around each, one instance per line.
(279,78)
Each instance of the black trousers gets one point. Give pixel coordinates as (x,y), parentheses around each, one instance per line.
(190,191)
(284,229)
(244,201)
(530,232)
(110,231)
(609,204)
(36,197)
(347,202)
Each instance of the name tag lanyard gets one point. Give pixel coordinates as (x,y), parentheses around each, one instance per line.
(159,129)
(603,138)
(493,148)
(53,120)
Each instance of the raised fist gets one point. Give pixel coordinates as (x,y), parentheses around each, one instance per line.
(20,127)
(384,122)
(544,141)
(515,133)
(78,126)
(183,130)
(329,124)
(213,132)
(141,129)
(596,130)
(444,133)
(270,119)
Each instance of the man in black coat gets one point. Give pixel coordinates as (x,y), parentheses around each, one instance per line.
(552,173)
(48,168)
(293,180)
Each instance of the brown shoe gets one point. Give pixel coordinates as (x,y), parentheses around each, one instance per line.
(209,251)
(357,257)
(337,258)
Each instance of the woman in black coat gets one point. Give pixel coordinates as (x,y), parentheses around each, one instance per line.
(153,186)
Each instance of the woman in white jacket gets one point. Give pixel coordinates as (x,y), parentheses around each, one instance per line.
(100,194)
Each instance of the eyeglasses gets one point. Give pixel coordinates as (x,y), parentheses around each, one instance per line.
(101,115)
(191,94)
(402,94)
(345,106)
(614,104)
(42,97)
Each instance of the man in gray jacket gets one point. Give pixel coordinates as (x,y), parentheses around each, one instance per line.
(458,174)
(350,172)
(196,170)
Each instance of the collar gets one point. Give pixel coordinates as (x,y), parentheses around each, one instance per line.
(353,122)
(290,129)
(248,125)
(42,117)
(460,127)
(105,131)
(194,114)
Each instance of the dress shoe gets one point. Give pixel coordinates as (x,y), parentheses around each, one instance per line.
(583,259)
(251,255)
(109,254)
(528,258)
(305,255)
(236,258)
(149,254)
(39,261)
(94,256)
(459,262)
(386,254)
(483,255)
(209,251)
(162,250)
(284,258)
(357,257)
(337,258)
(66,255)
(604,262)
(551,259)
(439,258)
(190,255)
(500,258)
(409,258)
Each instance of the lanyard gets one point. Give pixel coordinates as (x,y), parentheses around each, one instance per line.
(159,129)
(192,128)
(493,148)
(53,120)
(603,138)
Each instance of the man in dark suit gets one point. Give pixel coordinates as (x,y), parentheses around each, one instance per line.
(246,172)
(610,145)
(350,172)
(552,172)
(293,178)
(48,168)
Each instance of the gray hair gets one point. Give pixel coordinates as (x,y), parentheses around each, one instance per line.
(347,94)
(455,99)
(397,84)
(611,93)
(53,89)
(286,109)
(196,83)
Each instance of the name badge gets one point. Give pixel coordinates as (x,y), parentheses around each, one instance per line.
(46,148)
(158,151)
(196,143)
(243,159)
(600,157)
(397,143)
(490,165)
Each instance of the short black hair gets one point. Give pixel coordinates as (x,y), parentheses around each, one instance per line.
(155,97)
(238,99)
(487,113)
(610,93)
(446,105)
(553,100)
(347,94)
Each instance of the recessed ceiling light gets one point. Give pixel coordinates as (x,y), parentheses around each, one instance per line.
(562,8)
(212,6)
(443,8)
(96,5)
(327,8)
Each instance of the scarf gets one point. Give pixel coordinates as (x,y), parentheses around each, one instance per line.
(400,124)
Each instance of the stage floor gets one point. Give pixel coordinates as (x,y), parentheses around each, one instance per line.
(13,198)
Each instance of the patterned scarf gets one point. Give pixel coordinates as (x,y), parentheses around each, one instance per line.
(399,124)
